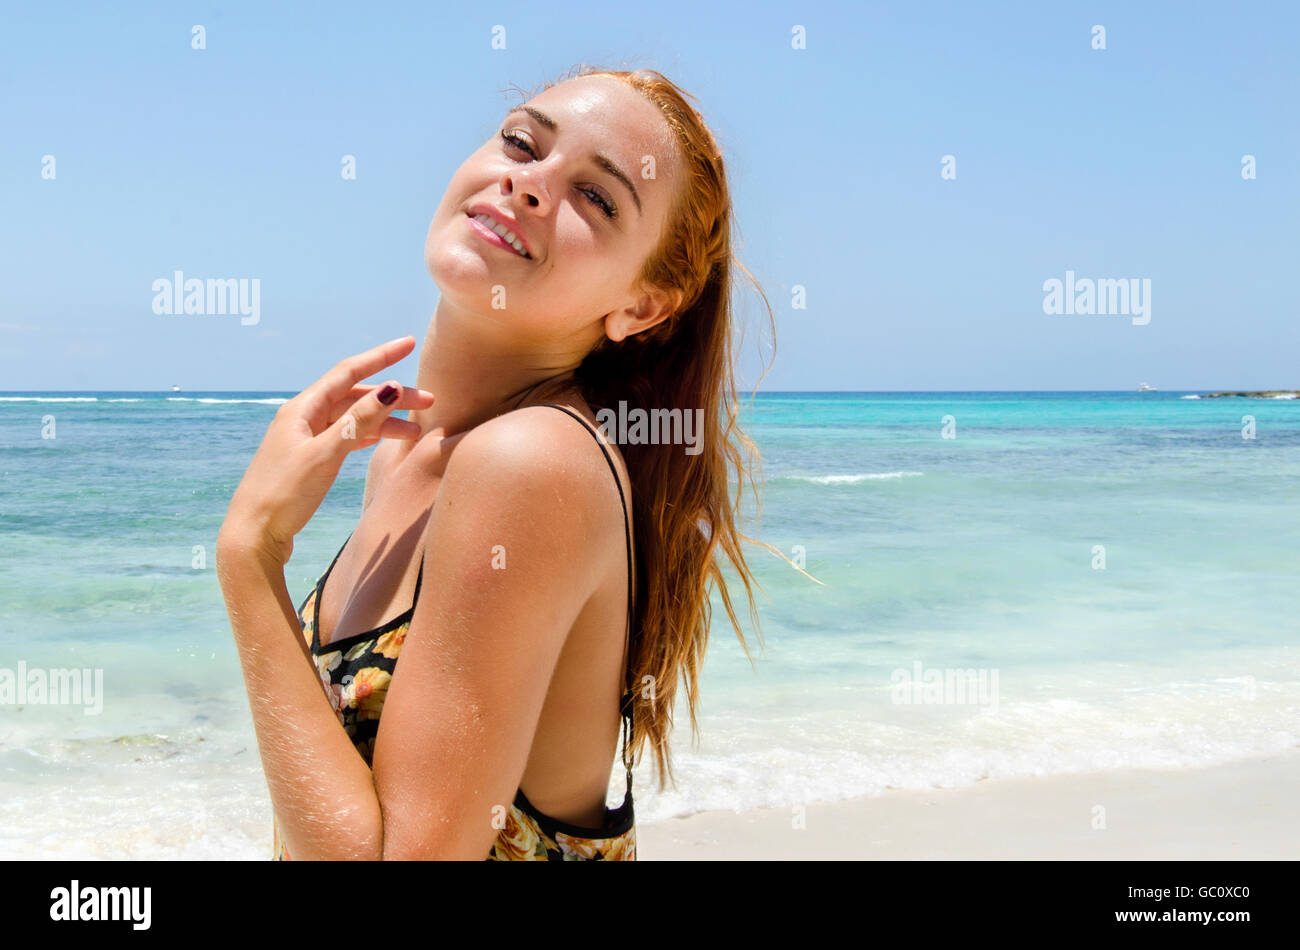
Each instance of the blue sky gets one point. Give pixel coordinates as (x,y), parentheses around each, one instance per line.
(225,162)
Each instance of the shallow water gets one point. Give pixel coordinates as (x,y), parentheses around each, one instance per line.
(969,553)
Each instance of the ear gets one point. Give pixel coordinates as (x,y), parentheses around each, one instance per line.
(650,309)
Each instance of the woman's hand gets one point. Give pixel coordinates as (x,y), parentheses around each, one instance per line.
(304,447)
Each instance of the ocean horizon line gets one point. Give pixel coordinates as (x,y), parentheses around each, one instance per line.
(745,392)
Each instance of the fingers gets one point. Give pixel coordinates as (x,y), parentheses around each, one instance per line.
(410,398)
(337,384)
(392,429)
(399,429)
(369,419)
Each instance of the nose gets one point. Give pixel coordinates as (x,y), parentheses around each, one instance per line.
(528,187)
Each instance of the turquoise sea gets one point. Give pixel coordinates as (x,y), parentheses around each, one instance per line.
(1118,571)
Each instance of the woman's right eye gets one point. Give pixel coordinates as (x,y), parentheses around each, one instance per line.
(510,138)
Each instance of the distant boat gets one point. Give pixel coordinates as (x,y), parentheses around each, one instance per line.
(176,389)
(1144,388)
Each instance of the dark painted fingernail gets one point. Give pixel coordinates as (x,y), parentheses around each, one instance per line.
(388,394)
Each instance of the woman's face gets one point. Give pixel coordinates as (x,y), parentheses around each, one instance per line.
(585,182)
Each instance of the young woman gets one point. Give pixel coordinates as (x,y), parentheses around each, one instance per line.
(542,586)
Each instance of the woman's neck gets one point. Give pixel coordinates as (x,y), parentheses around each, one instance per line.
(476,376)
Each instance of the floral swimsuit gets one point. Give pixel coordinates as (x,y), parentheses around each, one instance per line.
(355,672)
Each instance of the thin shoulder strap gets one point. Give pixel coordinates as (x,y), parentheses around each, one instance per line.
(419,574)
(328,570)
(627,700)
(419,577)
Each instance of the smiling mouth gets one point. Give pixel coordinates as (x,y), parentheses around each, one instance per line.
(501,231)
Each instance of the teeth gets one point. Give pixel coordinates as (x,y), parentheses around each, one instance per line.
(503,232)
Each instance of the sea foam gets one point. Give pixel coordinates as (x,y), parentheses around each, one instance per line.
(206,399)
(850,479)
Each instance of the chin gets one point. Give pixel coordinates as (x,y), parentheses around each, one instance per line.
(453,265)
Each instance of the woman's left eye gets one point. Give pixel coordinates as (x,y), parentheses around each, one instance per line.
(596,198)
(599,200)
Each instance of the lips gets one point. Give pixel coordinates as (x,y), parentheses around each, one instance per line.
(500,228)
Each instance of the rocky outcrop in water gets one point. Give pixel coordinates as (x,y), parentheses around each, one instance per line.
(1265,394)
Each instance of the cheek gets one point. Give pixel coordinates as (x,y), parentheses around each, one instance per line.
(457,194)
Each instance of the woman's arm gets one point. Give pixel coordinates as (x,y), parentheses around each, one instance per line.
(522,532)
(318,781)
(515,548)
(321,788)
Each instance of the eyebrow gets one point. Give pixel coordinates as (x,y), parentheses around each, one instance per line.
(603,161)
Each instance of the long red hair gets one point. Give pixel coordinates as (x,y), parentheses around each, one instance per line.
(682,511)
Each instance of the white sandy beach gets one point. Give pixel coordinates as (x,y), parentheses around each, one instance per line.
(1242,810)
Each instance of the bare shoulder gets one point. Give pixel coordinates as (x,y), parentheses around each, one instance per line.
(537,441)
(539,460)
(532,483)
